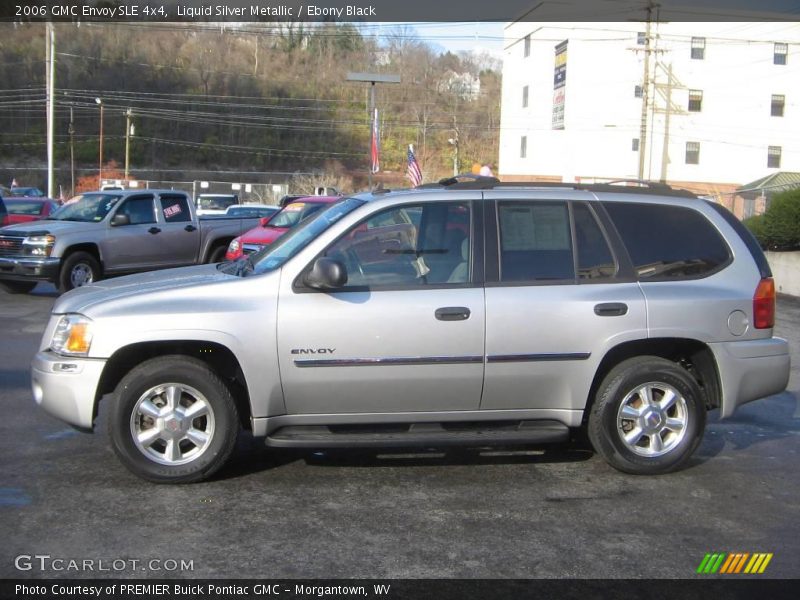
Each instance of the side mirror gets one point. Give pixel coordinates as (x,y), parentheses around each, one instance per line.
(118,220)
(326,274)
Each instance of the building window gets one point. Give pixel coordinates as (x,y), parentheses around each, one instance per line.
(638,92)
(641,38)
(523,146)
(778,102)
(692,153)
(774,157)
(635,144)
(525,97)
(695,100)
(781,50)
(698,48)
(527,46)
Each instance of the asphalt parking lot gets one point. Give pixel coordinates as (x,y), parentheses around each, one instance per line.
(499,514)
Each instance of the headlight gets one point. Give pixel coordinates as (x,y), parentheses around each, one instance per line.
(38,245)
(72,336)
(234,246)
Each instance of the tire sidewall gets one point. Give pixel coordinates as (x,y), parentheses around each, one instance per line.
(72,260)
(171,370)
(617,387)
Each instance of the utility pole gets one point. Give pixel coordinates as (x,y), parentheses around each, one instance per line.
(667,114)
(51,74)
(71,150)
(128,133)
(454,142)
(645,91)
(99,102)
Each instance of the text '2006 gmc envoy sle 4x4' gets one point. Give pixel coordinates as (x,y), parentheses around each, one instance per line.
(464,312)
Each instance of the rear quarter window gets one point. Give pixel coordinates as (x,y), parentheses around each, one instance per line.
(668,242)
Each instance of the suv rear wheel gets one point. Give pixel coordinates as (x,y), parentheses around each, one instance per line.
(648,416)
(173,420)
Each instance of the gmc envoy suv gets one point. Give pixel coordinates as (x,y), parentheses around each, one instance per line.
(467,312)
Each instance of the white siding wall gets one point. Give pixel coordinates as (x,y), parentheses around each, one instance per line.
(602,115)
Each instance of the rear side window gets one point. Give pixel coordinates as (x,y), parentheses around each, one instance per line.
(175,209)
(668,242)
(535,241)
(595,260)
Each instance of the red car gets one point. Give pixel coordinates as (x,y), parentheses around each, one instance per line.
(272,228)
(22,210)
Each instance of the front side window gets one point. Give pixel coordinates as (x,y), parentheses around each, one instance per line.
(535,242)
(668,242)
(408,246)
(139,210)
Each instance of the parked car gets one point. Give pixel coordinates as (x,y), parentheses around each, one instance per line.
(26,192)
(112,233)
(271,229)
(215,204)
(625,313)
(3,213)
(252,210)
(22,210)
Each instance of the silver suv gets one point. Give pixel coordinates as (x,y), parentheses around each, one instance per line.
(467,312)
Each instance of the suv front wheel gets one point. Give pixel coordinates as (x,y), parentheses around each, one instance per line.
(648,416)
(173,420)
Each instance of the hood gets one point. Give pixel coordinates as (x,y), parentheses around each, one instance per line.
(134,288)
(263,235)
(45,226)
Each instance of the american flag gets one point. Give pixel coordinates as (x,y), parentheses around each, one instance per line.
(414,173)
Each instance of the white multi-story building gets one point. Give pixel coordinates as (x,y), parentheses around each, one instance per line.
(709,106)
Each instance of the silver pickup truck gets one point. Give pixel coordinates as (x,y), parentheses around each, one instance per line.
(112,233)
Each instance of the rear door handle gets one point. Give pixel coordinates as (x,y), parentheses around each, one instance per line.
(452,313)
(611,309)
(154,230)
(190,228)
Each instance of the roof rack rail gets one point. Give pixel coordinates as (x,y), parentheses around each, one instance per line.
(464,181)
(468,181)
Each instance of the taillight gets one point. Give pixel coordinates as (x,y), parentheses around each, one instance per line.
(764,304)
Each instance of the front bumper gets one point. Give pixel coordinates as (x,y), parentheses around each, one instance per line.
(750,370)
(66,387)
(23,268)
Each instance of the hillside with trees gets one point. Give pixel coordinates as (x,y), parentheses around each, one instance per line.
(252,98)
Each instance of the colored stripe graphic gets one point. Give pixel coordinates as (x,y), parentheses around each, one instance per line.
(734,563)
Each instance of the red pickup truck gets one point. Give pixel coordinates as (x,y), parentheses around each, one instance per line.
(271,228)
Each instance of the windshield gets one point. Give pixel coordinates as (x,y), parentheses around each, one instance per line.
(295,212)
(216,202)
(91,208)
(276,254)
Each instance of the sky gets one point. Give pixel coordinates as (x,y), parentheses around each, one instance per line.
(455,37)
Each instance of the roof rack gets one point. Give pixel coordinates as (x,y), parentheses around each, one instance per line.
(468,181)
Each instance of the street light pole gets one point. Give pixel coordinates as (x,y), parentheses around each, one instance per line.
(71,150)
(100,170)
(128,126)
(372,79)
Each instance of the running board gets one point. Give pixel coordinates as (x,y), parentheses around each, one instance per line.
(419,434)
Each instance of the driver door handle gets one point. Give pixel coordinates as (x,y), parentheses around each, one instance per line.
(154,230)
(452,313)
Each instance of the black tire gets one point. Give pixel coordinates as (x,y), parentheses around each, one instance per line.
(217,254)
(196,383)
(78,269)
(17,287)
(622,409)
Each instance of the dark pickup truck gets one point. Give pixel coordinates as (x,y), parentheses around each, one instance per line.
(113,233)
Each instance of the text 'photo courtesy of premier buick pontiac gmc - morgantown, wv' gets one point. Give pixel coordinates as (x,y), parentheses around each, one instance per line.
(466,312)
